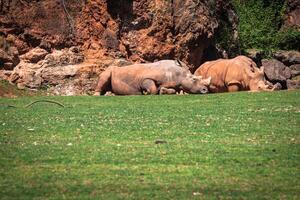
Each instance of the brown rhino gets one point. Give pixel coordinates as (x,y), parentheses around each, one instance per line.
(237,74)
(162,77)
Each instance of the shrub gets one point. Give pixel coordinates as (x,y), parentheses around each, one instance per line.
(288,39)
(260,23)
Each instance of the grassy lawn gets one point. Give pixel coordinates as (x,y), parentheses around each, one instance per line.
(219,146)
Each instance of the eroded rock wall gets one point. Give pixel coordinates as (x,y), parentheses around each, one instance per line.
(139,30)
(104,30)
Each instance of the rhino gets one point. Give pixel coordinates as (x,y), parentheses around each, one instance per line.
(162,77)
(237,74)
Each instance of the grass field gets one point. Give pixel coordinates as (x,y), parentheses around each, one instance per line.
(218,146)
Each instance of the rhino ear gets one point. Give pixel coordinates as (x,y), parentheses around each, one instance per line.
(195,78)
(262,69)
(250,72)
(206,81)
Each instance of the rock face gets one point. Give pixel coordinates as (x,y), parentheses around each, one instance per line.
(292,16)
(54,69)
(138,30)
(144,30)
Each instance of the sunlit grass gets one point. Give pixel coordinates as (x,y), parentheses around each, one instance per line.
(239,145)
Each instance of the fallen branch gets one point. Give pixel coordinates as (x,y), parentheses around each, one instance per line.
(8,105)
(48,101)
(28,105)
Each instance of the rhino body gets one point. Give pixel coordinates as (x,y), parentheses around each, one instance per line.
(237,74)
(150,78)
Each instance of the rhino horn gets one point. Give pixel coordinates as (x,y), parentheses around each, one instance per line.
(195,78)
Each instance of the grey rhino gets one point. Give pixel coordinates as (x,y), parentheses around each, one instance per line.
(165,76)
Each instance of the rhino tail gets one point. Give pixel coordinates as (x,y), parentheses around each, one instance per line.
(178,62)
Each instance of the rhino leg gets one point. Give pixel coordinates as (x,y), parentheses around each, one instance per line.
(104,82)
(164,90)
(233,88)
(148,86)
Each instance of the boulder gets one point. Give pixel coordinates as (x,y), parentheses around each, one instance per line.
(288,57)
(9,58)
(276,71)
(27,74)
(295,67)
(34,55)
(293,84)
(57,75)
(295,70)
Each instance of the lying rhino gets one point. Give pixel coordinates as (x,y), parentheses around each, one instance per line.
(237,74)
(163,77)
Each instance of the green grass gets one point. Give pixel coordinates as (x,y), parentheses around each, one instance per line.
(220,146)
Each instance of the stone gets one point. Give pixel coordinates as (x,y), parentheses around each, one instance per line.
(9,58)
(5,74)
(288,57)
(293,84)
(75,49)
(21,86)
(275,70)
(295,70)
(34,55)
(8,66)
(295,67)
(4,57)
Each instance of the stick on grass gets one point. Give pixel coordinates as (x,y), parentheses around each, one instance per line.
(48,101)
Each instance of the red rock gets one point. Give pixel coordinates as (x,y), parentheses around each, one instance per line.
(139,30)
(34,55)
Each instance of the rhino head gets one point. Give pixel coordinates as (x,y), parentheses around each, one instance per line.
(195,84)
(257,80)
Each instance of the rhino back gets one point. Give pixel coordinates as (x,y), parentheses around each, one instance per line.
(221,71)
(126,80)
(129,78)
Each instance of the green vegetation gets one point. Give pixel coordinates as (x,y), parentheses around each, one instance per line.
(260,24)
(235,145)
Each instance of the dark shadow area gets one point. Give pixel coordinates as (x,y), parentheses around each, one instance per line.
(121,9)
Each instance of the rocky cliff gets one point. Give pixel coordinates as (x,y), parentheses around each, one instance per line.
(140,30)
(134,30)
